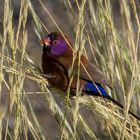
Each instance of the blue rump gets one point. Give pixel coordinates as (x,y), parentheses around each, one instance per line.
(90,87)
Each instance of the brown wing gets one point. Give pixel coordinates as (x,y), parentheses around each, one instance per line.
(90,72)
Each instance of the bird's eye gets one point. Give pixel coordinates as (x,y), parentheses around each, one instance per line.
(55,42)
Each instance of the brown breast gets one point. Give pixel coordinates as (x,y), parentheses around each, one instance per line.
(59,74)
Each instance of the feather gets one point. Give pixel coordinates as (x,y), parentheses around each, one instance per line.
(57,59)
(92,73)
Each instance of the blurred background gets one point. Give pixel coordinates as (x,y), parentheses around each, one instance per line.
(111,30)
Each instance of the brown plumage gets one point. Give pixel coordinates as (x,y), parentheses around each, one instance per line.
(58,66)
(57,59)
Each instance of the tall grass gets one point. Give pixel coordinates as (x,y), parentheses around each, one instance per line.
(114,50)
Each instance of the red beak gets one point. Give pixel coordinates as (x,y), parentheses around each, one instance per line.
(45,41)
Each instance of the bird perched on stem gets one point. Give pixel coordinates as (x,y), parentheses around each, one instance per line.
(57,59)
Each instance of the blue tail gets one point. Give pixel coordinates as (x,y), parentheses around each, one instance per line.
(94,90)
(91,89)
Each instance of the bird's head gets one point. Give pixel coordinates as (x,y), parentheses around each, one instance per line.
(54,44)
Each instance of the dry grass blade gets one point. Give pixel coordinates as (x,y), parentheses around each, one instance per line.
(114,49)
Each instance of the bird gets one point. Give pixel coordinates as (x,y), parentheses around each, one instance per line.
(57,59)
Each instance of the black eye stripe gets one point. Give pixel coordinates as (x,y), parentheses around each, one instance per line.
(53,36)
